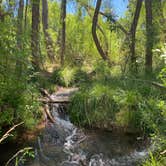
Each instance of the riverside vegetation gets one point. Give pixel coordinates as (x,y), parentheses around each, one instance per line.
(118,64)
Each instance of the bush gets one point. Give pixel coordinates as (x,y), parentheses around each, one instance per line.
(18,103)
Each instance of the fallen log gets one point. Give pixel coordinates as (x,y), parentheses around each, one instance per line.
(57,100)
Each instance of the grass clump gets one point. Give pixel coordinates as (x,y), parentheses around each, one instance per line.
(109,101)
(93,106)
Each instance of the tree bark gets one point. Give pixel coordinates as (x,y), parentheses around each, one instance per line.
(35,34)
(48,40)
(94,33)
(20,24)
(19,36)
(25,17)
(149,36)
(63,31)
(133,35)
(101,30)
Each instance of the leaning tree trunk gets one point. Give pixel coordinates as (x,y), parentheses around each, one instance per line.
(63,31)
(48,40)
(149,36)
(133,34)
(94,33)
(102,32)
(35,34)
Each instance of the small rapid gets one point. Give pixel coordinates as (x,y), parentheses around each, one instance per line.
(63,144)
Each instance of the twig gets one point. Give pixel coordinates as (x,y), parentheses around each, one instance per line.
(46,109)
(164,152)
(20,151)
(156,84)
(45,93)
(7,134)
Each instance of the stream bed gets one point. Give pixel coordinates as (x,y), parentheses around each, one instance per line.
(63,144)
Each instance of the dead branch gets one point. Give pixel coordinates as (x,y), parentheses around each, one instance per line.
(7,134)
(164,152)
(46,109)
(45,93)
(14,156)
(156,84)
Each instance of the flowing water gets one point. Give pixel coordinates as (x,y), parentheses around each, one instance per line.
(63,144)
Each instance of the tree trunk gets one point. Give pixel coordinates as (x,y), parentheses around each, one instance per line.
(149,36)
(94,34)
(20,24)
(35,34)
(133,35)
(63,31)
(101,30)
(25,17)
(48,40)
(19,37)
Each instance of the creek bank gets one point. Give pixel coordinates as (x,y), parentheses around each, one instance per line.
(63,144)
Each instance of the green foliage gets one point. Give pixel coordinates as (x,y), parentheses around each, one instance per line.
(93,106)
(153,161)
(69,76)
(18,96)
(128,103)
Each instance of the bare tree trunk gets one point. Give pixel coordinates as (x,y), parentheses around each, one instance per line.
(48,40)
(133,34)
(19,37)
(94,34)
(20,24)
(25,17)
(35,34)
(149,36)
(63,31)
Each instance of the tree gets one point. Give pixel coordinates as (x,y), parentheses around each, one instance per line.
(19,35)
(63,31)
(149,36)
(25,17)
(132,35)
(94,33)
(35,34)
(101,30)
(48,39)
(20,23)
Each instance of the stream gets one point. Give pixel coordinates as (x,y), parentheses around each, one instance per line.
(63,144)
